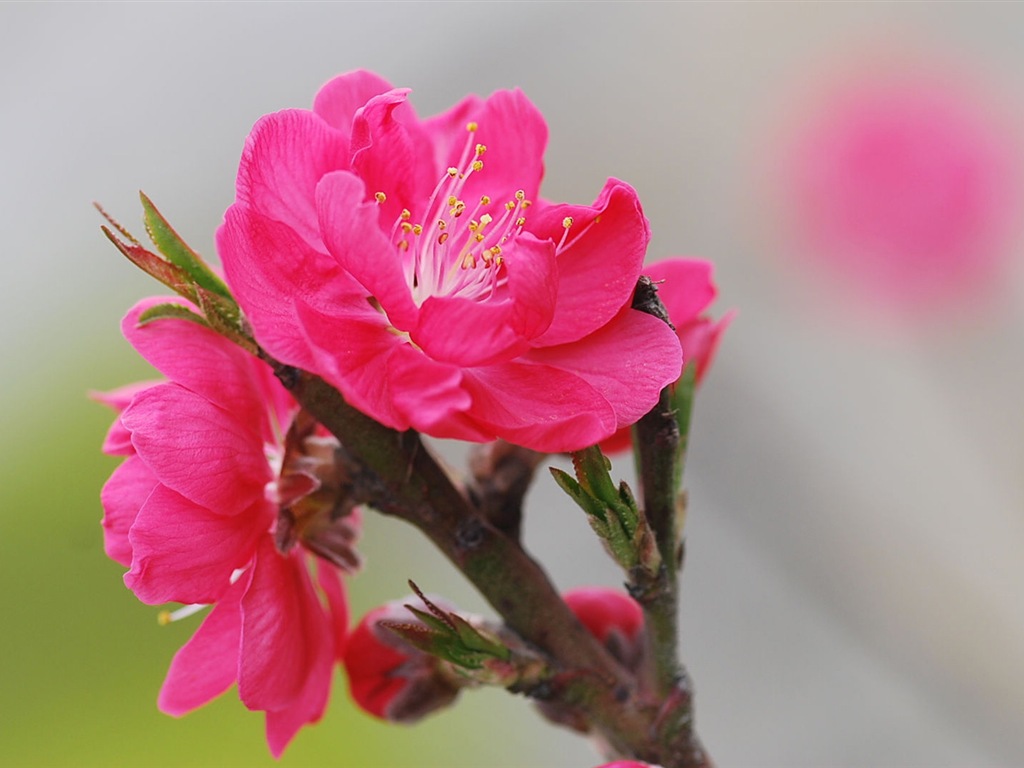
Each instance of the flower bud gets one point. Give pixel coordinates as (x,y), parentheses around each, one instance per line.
(615,619)
(390,678)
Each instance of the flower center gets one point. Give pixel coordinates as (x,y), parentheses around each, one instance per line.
(455,250)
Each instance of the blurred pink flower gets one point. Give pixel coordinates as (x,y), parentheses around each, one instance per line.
(686,288)
(411,263)
(905,187)
(203,511)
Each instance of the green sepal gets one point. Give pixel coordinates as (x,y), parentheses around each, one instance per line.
(592,506)
(175,311)
(167,273)
(449,637)
(177,251)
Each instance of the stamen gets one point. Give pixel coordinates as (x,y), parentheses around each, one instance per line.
(166,617)
(380,197)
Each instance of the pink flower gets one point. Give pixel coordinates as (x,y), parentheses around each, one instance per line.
(686,288)
(389,678)
(615,619)
(905,189)
(222,480)
(411,263)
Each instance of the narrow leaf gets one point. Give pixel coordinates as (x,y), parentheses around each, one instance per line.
(170,244)
(176,311)
(168,274)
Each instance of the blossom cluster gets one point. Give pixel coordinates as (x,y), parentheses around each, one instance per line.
(413,265)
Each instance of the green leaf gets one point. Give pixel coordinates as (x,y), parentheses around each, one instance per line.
(592,506)
(167,273)
(176,311)
(176,251)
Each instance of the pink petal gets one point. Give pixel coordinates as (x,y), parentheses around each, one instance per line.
(431,395)
(285,156)
(308,707)
(122,497)
(352,353)
(198,359)
(685,287)
(284,630)
(700,341)
(184,553)
(270,268)
(118,441)
(352,232)
(628,361)
(339,100)
(466,332)
(598,267)
(198,449)
(539,406)
(515,134)
(447,131)
(206,665)
(329,580)
(392,154)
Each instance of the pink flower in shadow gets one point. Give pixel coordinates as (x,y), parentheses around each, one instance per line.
(195,511)
(412,264)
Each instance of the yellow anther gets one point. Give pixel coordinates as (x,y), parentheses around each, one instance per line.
(567,222)
(480,149)
(498,261)
(471,127)
(495,250)
(478,165)
(453,172)
(380,197)
(452,200)
(478,238)
(441,224)
(597,219)
(485,200)
(406,215)
(164,617)
(526,204)
(473,226)
(417,229)
(403,245)
(520,195)
(486,219)
(510,205)
(441,238)
(406,226)
(520,221)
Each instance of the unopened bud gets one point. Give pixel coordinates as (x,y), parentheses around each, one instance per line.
(615,619)
(390,678)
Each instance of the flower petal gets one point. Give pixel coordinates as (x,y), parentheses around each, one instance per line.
(284,157)
(284,630)
(393,154)
(198,449)
(465,332)
(198,359)
(539,406)
(118,441)
(351,229)
(270,268)
(598,268)
(339,100)
(628,361)
(206,665)
(684,286)
(185,553)
(123,496)
(515,134)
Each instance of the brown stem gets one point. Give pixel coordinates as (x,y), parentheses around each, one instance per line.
(502,473)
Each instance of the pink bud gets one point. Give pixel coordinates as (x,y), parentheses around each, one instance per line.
(614,618)
(388,677)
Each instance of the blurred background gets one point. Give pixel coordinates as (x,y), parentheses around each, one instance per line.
(852,593)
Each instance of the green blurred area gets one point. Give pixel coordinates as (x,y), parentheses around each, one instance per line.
(83,660)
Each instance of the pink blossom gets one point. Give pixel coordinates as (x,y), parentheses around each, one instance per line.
(207,509)
(412,264)
(389,678)
(686,288)
(904,188)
